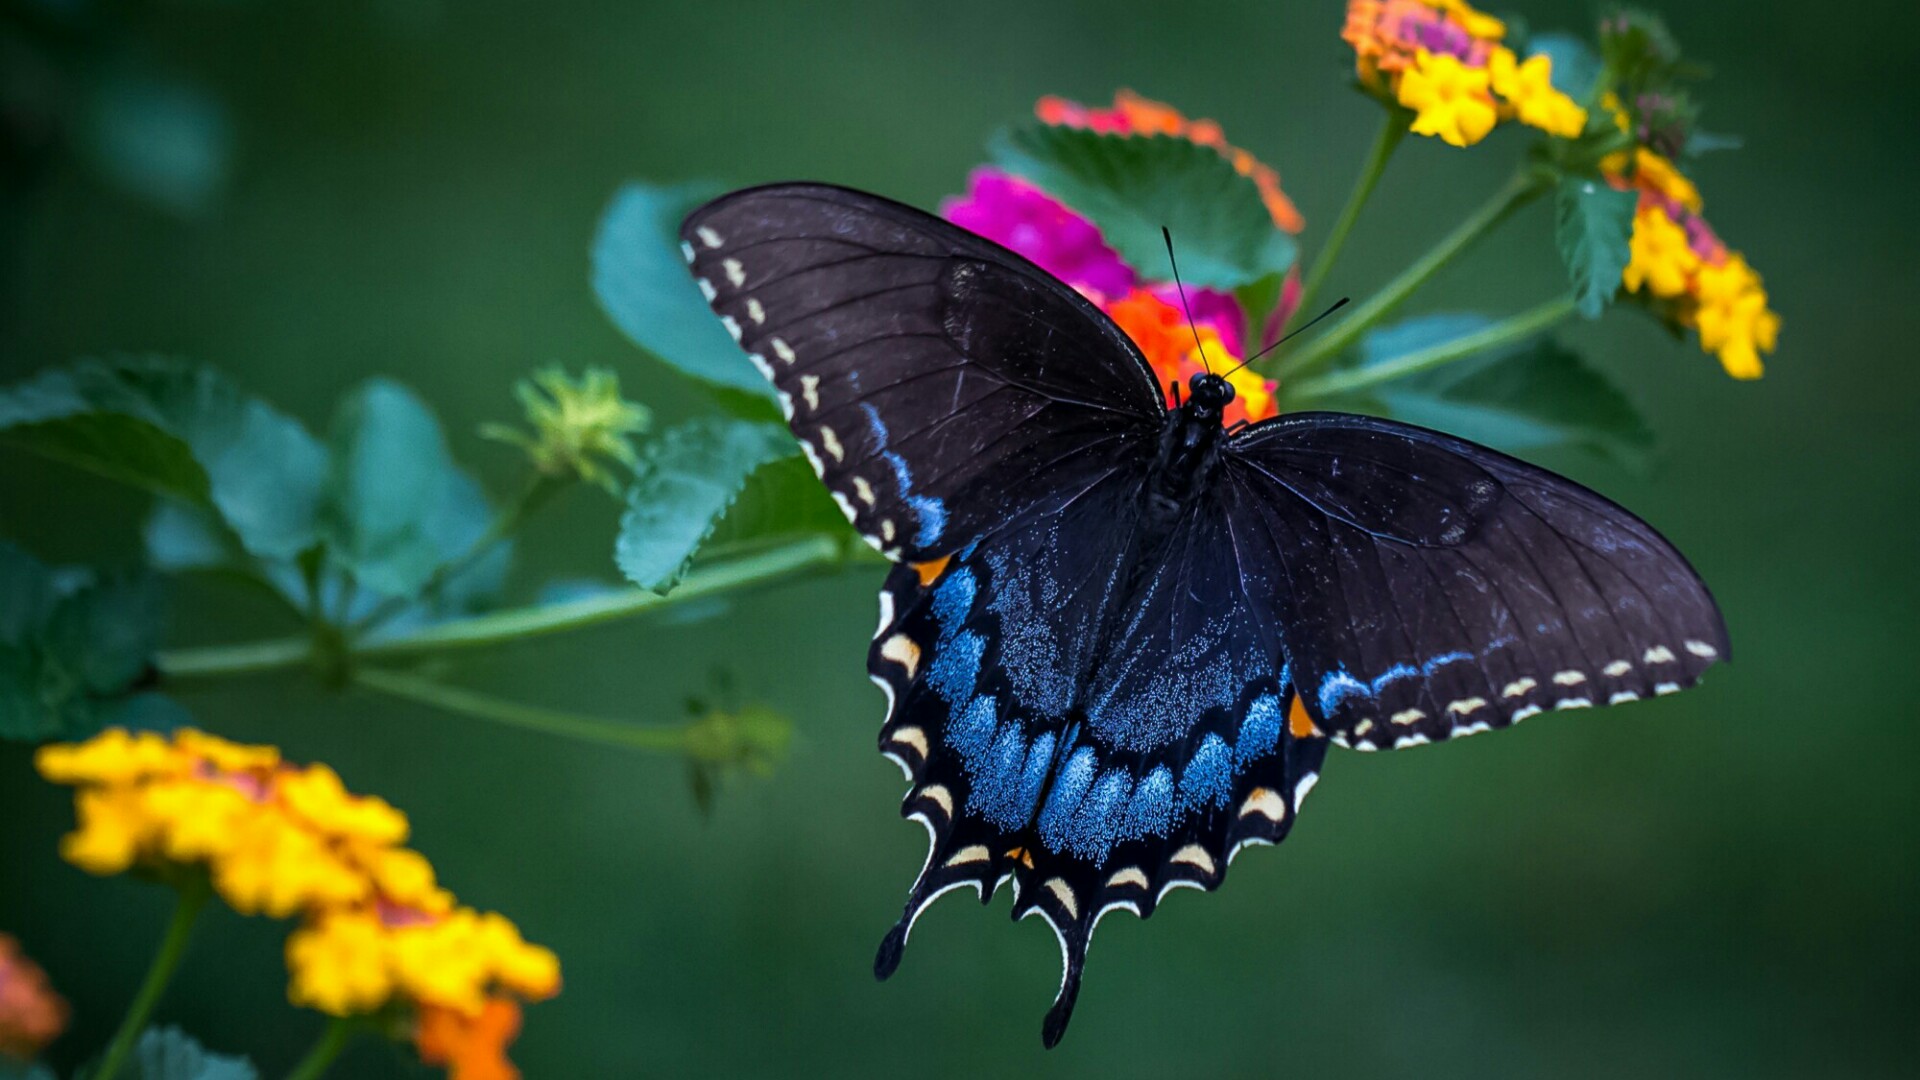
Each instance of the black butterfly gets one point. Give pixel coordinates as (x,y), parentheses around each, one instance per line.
(1120,637)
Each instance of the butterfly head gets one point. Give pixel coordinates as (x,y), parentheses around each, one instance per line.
(1209,394)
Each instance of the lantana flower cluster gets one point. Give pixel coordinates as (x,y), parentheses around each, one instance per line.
(1015,213)
(31,1014)
(377,931)
(1680,266)
(1445,60)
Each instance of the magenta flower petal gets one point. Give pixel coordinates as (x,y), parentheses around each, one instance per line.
(1010,211)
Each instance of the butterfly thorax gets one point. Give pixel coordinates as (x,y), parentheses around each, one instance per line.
(1189,448)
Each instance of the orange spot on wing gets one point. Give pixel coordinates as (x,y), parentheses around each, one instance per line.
(1298,722)
(930,571)
(1022,856)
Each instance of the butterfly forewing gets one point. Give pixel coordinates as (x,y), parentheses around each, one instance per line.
(938,383)
(1428,587)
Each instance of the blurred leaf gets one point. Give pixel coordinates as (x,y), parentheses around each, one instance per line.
(69,645)
(687,480)
(146,712)
(1523,397)
(167,1053)
(1592,224)
(10,1069)
(180,538)
(177,429)
(642,282)
(160,138)
(399,508)
(1132,186)
(1576,64)
(107,632)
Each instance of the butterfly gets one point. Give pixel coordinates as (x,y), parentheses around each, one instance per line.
(1119,637)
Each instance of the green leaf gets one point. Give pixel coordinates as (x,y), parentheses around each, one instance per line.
(1132,186)
(641,280)
(181,430)
(167,1053)
(781,500)
(687,480)
(70,645)
(398,506)
(1576,65)
(1592,224)
(1523,397)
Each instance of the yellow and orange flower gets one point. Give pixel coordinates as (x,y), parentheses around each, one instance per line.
(1167,341)
(1444,60)
(1680,267)
(31,1014)
(285,840)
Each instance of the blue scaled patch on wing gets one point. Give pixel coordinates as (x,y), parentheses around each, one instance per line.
(1208,779)
(971,730)
(956,669)
(1338,685)
(1259,732)
(953,599)
(1056,817)
(1150,811)
(931,512)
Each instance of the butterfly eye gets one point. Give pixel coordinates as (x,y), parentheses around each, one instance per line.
(1211,391)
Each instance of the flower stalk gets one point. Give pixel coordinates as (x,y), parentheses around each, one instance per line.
(590,729)
(333,1039)
(1393,128)
(1514,328)
(513,624)
(191,898)
(1523,188)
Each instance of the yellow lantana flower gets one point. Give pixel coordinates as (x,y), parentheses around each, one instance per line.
(1527,87)
(1661,258)
(339,964)
(1450,99)
(285,840)
(1735,322)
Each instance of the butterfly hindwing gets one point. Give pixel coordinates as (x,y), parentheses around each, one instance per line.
(1427,587)
(1090,708)
(939,384)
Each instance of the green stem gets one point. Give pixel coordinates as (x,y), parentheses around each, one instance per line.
(1520,190)
(514,624)
(338,1033)
(1513,328)
(1392,129)
(537,493)
(593,729)
(173,945)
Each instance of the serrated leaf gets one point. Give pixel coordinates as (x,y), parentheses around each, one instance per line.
(181,430)
(398,507)
(1576,64)
(1592,225)
(1524,397)
(641,280)
(688,478)
(167,1053)
(781,500)
(1132,186)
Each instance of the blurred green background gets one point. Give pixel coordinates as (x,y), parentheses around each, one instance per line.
(1726,883)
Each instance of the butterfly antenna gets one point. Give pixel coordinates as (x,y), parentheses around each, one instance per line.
(1336,306)
(1184,306)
